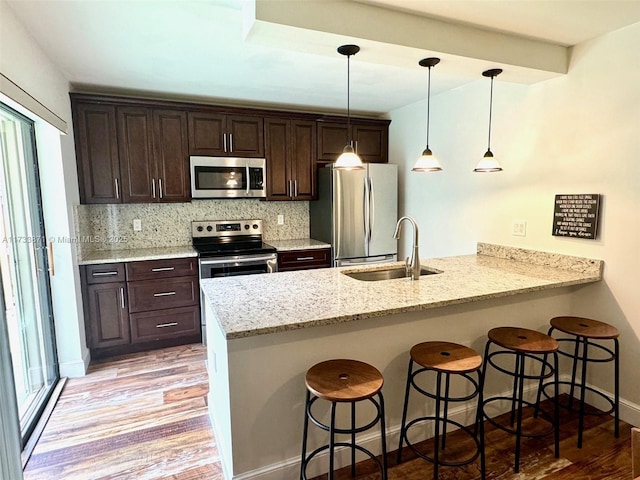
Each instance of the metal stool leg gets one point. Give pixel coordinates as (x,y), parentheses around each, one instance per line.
(515,389)
(616,376)
(332,440)
(446,410)
(583,388)
(436,438)
(305,431)
(353,439)
(480,424)
(383,437)
(520,378)
(556,406)
(404,412)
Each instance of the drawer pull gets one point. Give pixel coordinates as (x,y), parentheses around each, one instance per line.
(164,325)
(300,259)
(122,298)
(164,294)
(103,274)
(163,269)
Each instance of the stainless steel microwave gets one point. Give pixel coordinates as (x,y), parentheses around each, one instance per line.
(225,177)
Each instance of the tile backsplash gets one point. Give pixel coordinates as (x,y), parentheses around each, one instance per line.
(108,227)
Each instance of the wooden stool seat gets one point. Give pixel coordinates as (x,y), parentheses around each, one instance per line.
(523,340)
(343,380)
(446,357)
(585,327)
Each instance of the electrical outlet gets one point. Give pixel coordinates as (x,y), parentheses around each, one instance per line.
(280,219)
(137,225)
(519,228)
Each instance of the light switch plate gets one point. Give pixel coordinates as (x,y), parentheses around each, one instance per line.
(137,225)
(280,219)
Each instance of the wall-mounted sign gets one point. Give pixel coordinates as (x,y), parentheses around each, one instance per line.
(576,216)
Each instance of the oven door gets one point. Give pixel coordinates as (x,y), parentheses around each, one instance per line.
(238,265)
(218,177)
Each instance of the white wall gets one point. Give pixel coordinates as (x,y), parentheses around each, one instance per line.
(574,134)
(24,62)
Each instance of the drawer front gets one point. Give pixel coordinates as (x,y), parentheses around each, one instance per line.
(104,273)
(165,293)
(304,259)
(175,322)
(172,267)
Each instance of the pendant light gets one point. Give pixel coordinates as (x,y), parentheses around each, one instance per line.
(349,159)
(428,162)
(488,163)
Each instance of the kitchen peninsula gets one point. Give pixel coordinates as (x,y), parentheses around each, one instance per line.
(267,330)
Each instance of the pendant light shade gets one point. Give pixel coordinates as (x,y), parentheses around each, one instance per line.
(488,162)
(349,159)
(428,162)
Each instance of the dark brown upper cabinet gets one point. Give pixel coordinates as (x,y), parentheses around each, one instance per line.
(97,153)
(218,135)
(154,159)
(370,141)
(290,150)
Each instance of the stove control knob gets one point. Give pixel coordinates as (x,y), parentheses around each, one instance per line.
(255,226)
(246,226)
(209,228)
(199,228)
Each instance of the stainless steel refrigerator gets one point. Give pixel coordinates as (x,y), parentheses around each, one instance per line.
(356,212)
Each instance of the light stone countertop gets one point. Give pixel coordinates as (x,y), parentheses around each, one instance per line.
(297,244)
(309,298)
(137,254)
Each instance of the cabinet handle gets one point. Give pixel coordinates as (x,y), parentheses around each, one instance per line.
(103,274)
(224,142)
(162,269)
(231,142)
(300,259)
(356,147)
(117,187)
(164,325)
(164,294)
(160,187)
(289,189)
(122,297)
(295,184)
(153,187)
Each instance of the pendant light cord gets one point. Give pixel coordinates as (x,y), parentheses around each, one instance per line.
(348,103)
(428,103)
(490,108)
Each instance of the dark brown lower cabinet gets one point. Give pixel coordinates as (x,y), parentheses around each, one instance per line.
(138,306)
(107,309)
(304,259)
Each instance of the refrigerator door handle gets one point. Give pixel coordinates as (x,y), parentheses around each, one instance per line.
(366,215)
(372,212)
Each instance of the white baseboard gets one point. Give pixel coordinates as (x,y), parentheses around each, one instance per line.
(76,368)
(290,468)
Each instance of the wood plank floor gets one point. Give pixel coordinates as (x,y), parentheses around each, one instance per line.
(144,416)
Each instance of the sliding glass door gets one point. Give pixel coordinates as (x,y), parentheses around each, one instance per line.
(25,270)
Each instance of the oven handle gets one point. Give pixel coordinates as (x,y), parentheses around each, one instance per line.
(231,260)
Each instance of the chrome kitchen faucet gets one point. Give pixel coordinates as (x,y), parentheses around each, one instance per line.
(412,265)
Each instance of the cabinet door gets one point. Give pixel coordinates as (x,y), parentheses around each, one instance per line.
(171,155)
(332,138)
(371,143)
(136,160)
(108,318)
(206,132)
(277,135)
(97,153)
(245,136)
(303,159)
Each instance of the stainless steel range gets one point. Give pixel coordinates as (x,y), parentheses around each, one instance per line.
(231,247)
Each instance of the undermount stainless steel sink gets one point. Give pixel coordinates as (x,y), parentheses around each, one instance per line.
(386,274)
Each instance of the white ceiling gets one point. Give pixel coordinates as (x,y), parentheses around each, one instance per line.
(209,51)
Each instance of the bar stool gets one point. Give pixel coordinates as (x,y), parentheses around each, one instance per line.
(445,359)
(583,332)
(343,381)
(523,344)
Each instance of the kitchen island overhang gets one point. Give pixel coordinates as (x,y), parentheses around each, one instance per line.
(271,329)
